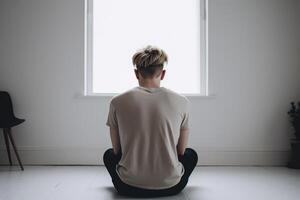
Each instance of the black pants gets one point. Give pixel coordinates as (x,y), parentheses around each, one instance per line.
(189,160)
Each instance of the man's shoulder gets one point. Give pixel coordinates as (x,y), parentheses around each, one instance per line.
(177,95)
(174,96)
(120,96)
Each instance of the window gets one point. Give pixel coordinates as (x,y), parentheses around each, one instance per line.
(115,29)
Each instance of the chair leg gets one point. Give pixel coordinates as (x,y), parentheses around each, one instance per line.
(14,147)
(5,133)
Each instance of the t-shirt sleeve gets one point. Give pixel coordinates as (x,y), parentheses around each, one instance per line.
(185,117)
(112,117)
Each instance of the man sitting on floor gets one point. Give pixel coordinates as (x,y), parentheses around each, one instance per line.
(149,132)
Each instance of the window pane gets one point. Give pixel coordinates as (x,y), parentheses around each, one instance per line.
(120,27)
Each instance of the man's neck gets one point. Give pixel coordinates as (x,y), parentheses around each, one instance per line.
(149,85)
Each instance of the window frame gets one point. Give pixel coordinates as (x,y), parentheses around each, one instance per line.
(88,51)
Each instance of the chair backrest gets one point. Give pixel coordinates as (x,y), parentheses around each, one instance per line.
(6,108)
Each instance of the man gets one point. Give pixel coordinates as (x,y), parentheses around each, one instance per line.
(149,128)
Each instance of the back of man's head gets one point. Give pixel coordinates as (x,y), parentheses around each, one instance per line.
(149,61)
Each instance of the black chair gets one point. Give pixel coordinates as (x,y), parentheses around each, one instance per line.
(7,121)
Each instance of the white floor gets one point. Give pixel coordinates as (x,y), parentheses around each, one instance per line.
(93,182)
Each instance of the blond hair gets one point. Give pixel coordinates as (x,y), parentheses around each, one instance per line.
(149,60)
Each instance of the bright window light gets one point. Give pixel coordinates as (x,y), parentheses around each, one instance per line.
(115,29)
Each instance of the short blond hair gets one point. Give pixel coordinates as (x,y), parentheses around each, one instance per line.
(149,60)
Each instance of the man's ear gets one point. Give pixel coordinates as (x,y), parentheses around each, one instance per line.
(136,74)
(162,74)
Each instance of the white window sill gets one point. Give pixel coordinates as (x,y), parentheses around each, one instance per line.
(110,95)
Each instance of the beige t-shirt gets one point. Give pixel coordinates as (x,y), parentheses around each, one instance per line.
(149,122)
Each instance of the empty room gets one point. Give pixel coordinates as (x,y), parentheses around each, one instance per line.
(149,99)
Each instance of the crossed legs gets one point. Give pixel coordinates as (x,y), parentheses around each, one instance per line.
(189,160)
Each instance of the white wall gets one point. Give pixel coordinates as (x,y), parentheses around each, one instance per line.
(254,68)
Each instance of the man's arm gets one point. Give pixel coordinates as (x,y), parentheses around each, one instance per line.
(112,122)
(184,130)
(182,141)
(115,139)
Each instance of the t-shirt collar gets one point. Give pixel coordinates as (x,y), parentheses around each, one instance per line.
(154,89)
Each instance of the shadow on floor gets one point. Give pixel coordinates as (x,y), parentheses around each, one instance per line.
(6,168)
(181,196)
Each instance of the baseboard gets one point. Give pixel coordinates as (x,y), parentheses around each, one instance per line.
(93,156)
